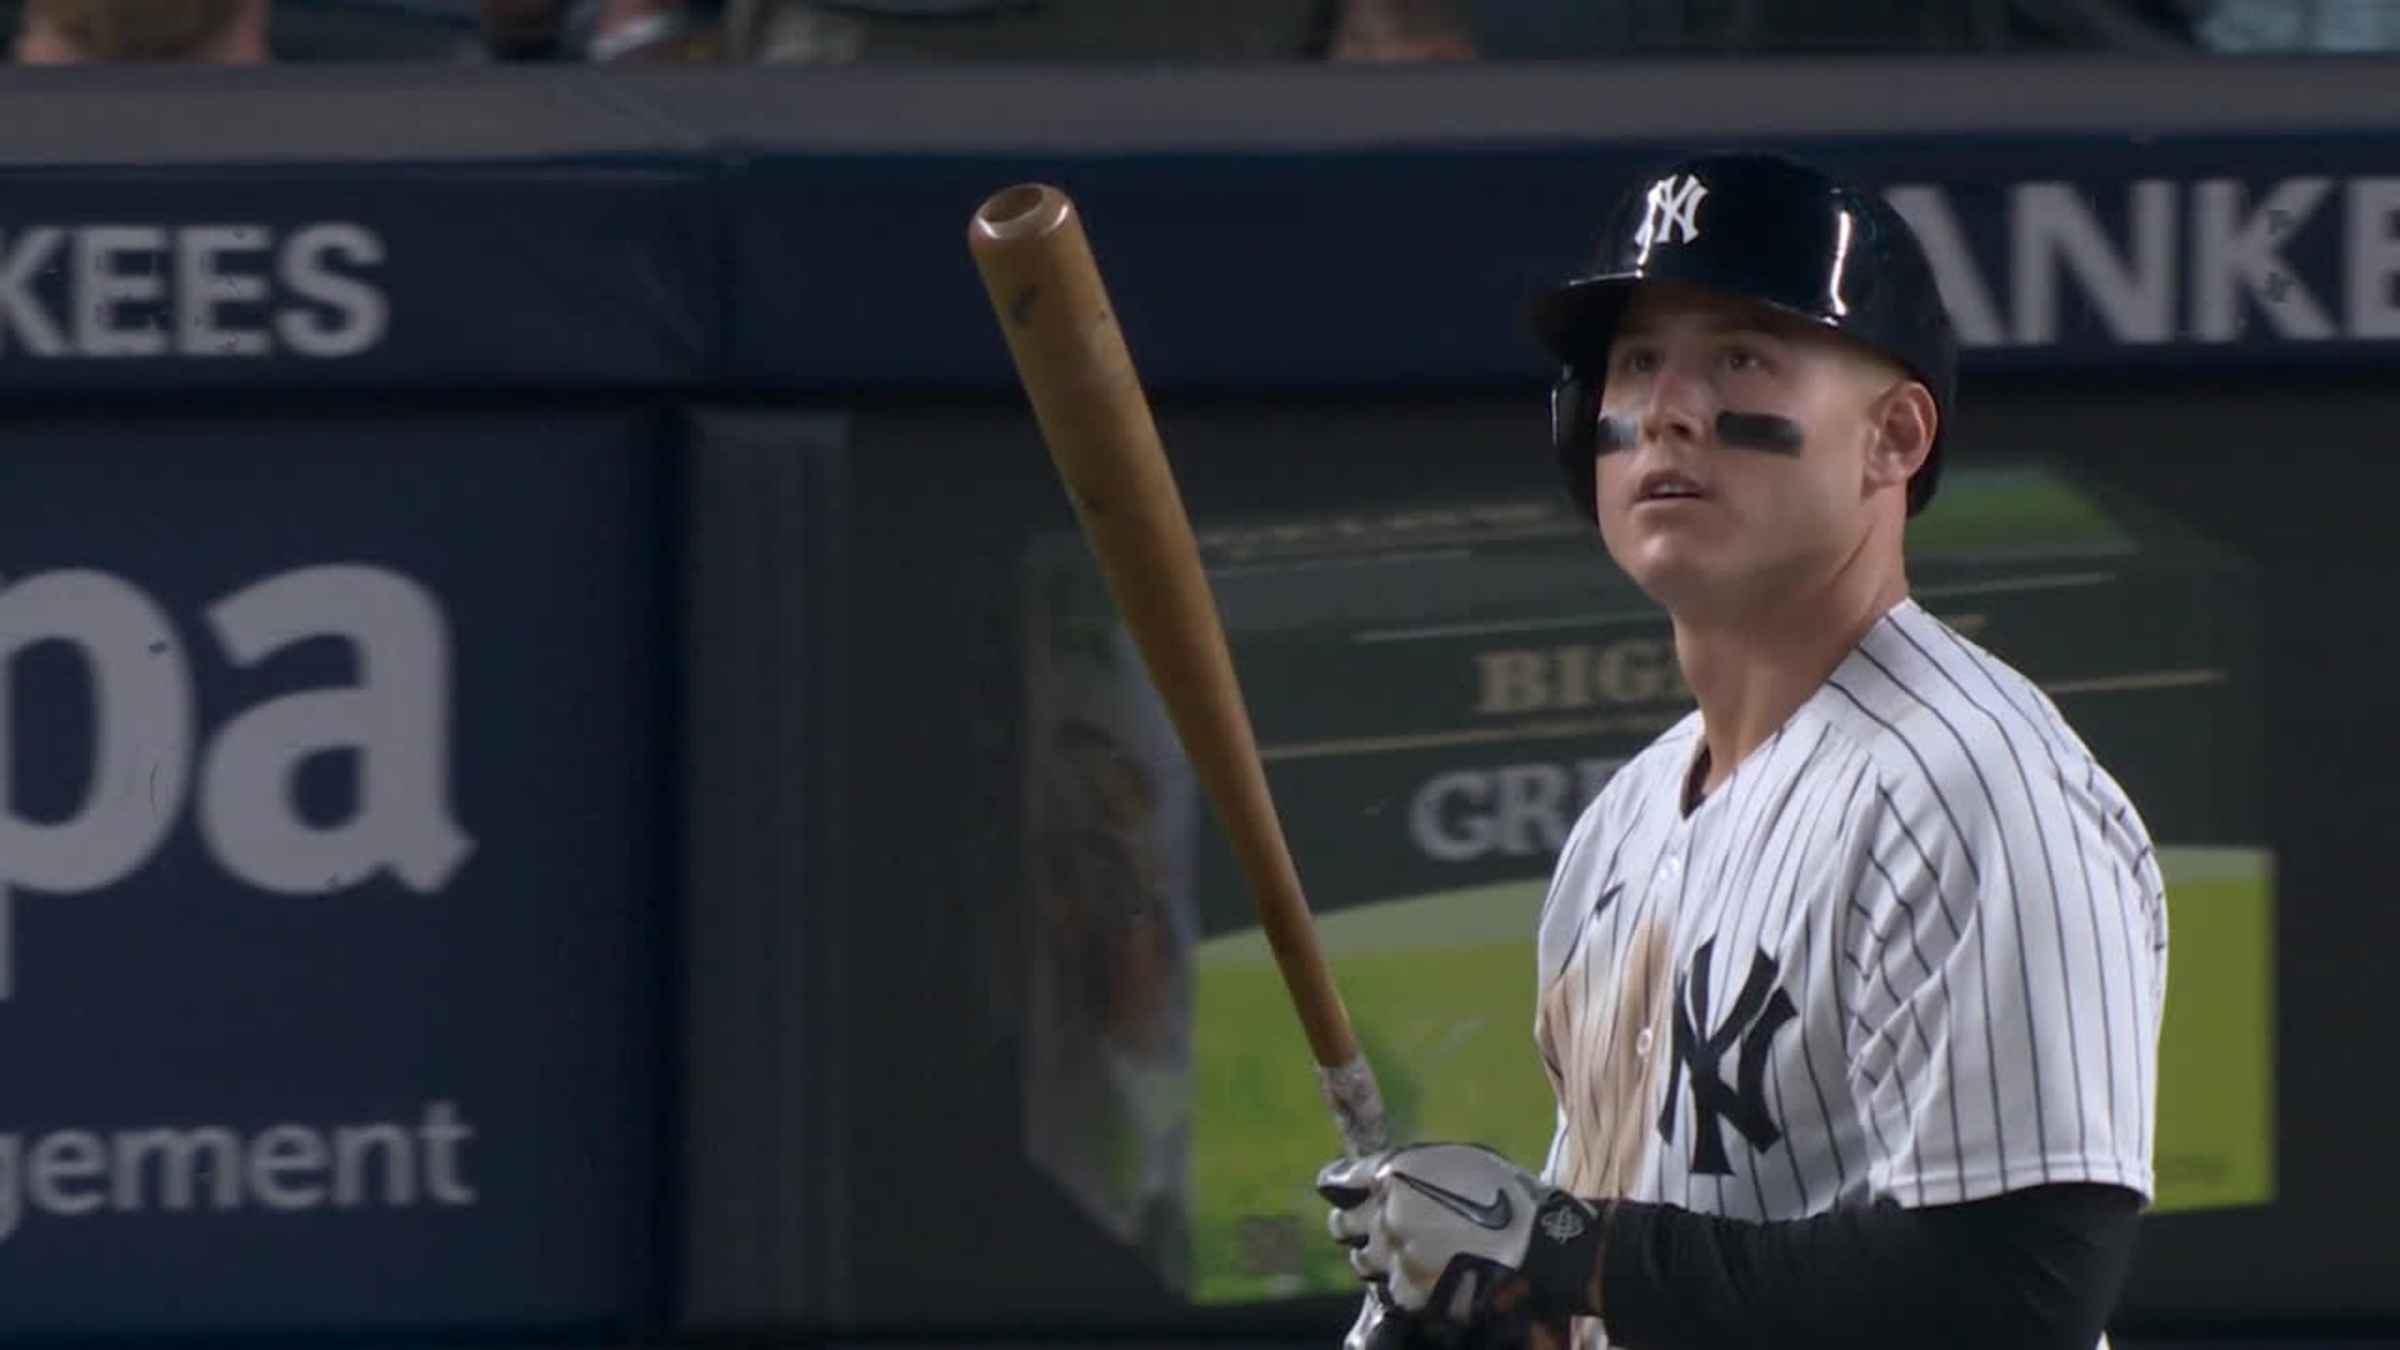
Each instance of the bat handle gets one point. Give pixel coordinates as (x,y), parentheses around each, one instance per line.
(1357,1105)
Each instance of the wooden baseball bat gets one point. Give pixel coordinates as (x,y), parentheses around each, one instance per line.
(1037,266)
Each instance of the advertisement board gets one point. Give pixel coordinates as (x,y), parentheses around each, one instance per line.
(330,871)
(2058,251)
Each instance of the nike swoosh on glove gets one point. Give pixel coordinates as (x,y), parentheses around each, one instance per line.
(1459,1232)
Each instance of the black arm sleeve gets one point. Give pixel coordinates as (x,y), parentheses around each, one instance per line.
(2036,1269)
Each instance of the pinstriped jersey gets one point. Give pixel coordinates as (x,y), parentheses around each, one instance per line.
(1913,946)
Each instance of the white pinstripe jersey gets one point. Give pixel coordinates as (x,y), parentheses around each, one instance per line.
(1914,946)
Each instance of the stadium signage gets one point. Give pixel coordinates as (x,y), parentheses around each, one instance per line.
(2155,260)
(203,291)
(147,755)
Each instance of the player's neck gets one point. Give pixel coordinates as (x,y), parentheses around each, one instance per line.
(1751,673)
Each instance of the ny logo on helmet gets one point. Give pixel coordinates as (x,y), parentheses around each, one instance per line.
(1673,200)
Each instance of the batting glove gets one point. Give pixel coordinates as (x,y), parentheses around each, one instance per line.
(1384,1325)
(1463,1235)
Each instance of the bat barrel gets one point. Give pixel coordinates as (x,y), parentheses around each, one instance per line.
(1028,210)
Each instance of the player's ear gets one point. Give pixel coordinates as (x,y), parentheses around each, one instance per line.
(1903,420)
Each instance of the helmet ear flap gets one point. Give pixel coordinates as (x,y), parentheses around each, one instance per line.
(1575,432)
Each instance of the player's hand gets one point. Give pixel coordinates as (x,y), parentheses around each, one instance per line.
(1464,1236)
(1385,1325)
(1381,1325)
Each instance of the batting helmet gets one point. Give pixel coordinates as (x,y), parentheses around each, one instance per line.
(1768,229)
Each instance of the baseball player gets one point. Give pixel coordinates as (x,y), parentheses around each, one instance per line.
(1850,982)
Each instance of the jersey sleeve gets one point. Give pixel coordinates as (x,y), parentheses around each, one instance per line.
(2002,957)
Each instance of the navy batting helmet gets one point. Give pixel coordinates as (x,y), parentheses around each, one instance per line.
(1768,229)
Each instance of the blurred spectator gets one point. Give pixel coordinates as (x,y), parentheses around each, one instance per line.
(797,32)
(640,30)
(2302,25)
(523,30)
(1516,30)
(599,30)
(197,32)
(1195,32)
(2154,26)
(1397,30)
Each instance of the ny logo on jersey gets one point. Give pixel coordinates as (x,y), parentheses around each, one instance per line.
(1673,203)
(1758,1012)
